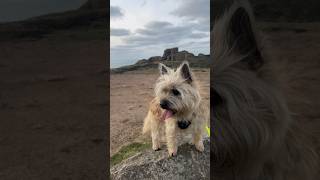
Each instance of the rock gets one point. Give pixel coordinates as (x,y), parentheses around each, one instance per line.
(168,53)
(154,59)
(188,164)
(183,56)
(200,55)
(142,61)
(171,57)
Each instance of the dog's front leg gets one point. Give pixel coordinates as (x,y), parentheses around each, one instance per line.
(171,136)
(155,135)
(155,140)
(197,140)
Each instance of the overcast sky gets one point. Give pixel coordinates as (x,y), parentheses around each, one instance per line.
(144,28)
(14,10)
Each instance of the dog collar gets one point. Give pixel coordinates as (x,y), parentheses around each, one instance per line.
(208,130)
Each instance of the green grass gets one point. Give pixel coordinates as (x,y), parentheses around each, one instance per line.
(128,151)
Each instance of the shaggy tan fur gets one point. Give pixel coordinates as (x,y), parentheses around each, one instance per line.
(256,134)
(187,105)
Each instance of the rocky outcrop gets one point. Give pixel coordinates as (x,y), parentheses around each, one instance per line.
(174,58)
(188,164)
(142,61)
(169,53)
(155,59)
(173,54)
(183,56)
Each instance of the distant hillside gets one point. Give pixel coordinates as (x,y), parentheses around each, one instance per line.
(95,4)
(171,57)
(92,13)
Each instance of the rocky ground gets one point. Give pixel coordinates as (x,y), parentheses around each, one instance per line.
(189,164)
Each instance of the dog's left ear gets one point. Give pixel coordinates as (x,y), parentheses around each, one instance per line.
(242,36)
(186,72)
(163,69)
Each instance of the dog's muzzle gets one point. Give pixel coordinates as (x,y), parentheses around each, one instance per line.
(164,104)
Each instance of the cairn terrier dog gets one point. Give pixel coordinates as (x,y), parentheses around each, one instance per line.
(255,135)
(176,109)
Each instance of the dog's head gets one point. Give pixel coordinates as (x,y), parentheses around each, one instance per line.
(177,90)
(248,113)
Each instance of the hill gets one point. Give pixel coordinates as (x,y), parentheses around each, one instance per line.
(92,14)
(171,57)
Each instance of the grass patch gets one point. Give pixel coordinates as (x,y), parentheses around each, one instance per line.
(127,151)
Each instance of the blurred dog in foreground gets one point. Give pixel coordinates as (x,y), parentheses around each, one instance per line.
(177,108)
(255,137)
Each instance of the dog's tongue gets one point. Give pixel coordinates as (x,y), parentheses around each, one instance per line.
(166,114)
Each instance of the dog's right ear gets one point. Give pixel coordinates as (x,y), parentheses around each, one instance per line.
(163,69)
(186,72)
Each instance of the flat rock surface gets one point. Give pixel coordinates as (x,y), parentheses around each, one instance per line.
(188,164)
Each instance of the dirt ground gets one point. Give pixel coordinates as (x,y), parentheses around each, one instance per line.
(53,104)
(130,95)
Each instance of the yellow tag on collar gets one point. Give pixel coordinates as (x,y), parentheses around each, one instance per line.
(208,130)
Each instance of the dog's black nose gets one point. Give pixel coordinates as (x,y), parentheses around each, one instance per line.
(164,104)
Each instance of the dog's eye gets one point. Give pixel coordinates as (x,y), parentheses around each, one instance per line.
(175,92)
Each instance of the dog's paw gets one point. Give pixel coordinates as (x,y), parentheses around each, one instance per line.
(172,152)
(199,146)
(156,147)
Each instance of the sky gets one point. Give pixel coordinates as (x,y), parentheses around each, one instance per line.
(140,29)
(15,10)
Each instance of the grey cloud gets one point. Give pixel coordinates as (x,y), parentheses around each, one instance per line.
(119,32)
(116,12)
(162,28)
(158,32)
(198,35)
(157,24)
(121,48)
(194,10)
(205,27)
(201,26)
(204,43)
(197,13)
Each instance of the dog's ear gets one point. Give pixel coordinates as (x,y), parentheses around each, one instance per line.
(186,72)
(241,36)
(163,69)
